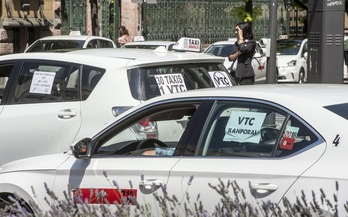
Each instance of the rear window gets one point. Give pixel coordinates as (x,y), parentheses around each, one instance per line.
(55,45)
(339,109)
(222,50)
(149,82)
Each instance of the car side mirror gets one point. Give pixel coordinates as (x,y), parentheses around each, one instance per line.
(82,149)
(305,55)
(263,51)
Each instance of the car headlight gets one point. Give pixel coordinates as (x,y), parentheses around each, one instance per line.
(290,64)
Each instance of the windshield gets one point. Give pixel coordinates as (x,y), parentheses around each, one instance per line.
(146,83)
(221,50)
(55,45)
(288,47)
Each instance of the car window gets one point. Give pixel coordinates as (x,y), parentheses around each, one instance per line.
(5,71)
(339,109)
(92,44)
(170,47)
(254,130)
(40,82)
(142,46)
(157,134)
(90,78)
(55,45)
(149,82)
(222,50)
(105,44)
(288,47)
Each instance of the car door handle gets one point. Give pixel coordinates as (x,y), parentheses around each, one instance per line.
(149,186)
(263,188)
(67,113)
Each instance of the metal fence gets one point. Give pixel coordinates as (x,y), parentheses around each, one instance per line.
(208,20)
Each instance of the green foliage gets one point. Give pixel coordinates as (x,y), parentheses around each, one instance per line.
(238,13)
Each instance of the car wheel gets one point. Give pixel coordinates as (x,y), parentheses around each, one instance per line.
(301,76)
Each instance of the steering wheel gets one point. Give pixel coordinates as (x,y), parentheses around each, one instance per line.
(150,143)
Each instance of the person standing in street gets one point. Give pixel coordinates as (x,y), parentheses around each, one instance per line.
(124,36)
(246,45)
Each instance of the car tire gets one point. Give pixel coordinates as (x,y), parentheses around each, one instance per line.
(301,76)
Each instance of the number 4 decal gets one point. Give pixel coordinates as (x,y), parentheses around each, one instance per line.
(336,140)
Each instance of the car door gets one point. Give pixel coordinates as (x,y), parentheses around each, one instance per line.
(250,152)
(130,161)
(42,110)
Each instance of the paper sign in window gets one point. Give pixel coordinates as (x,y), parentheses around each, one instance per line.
(289,137)
(170,83)
(244,127)
(220,79)
(42,82)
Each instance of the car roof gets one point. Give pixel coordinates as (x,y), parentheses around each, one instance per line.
(223,42)
(159,43)
(291,40)
(142,55)
(72,37)
(105,57)
(292,95)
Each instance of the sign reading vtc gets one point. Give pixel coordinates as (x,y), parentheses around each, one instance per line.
(325,41)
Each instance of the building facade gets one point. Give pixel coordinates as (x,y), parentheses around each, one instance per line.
(22,22)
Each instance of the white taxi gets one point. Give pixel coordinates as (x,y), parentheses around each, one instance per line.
(48,101)
(292,60)
(225,48)
(63,43)
(139,42)
(265,143)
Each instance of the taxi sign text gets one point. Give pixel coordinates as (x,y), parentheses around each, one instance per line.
(170,83)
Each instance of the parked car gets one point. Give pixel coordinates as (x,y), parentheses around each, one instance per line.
(268,139)
(141,43)
(63,43)
(224,48)
(292,60)
(51,100)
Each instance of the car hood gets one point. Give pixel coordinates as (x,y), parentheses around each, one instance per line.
(282,60)
(44,162)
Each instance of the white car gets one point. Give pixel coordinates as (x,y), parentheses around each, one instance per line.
(275,141)
(51,100)
(292,60)
(62,43)
(168,45)
(224,48)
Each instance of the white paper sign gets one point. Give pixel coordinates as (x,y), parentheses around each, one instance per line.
(220,79)
(42,82)
(170,83)
(244,126)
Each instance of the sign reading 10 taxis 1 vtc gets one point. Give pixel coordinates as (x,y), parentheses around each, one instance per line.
(175,83)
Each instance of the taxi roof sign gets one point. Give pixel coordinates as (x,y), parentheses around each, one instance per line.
(75,32)
(138,38)
(188,44)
